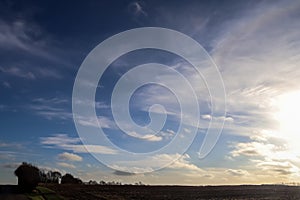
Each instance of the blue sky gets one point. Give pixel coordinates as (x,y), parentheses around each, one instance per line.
(255,45)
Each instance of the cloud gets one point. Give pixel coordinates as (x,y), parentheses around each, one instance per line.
(272,65)
(47,168)
(169,161)
(262,144)
(47,73)
(66,165)
(32,74)
(137,9)
(102,121)
(99,149)
(13,154)
(169,134)
(252,149)
(59,140)
(69,157)
(2,107)
(15,35)
(51,109)
(121,173)
(147,137)
(267,153)
(10,144)
(15,71)
(278,167)
(183,163)
(21,35)
(52,101)
(237,172)
(63,141)
(101,105)
(221,118)
(6,84)
(7,155)
(11,165)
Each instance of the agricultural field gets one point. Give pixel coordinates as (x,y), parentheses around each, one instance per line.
(132,192)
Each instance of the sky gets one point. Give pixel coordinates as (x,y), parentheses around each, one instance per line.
(255,46)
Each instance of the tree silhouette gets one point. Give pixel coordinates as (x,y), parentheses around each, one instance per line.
(50,176)
(56,176)
(69,179)
(28,176)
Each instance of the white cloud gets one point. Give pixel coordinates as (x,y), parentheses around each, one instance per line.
(137,9)
(30,74)
(50,108)
(14,145)
(237,172)
(22,35)
(258,58)
(279,167)
(169,134)
(63,141)
(69,157)
(169,161)
(91,149)
(101,105)
(252,149)
(51,101)
(184,164)
(15,71)
(47,168)
(66,165)
(102,121)
(148,137)
(59,140)
(267,153)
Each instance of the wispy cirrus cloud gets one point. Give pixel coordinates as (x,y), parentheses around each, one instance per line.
(15,71)
(30,73)
(66,165)
(59,108)
(237,172)
(147,137)
(63,141)
(269,53)
(6,84)
(69,157)
(11,165)
(16,35)
(137,9)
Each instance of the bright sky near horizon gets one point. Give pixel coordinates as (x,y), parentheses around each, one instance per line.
(255,44)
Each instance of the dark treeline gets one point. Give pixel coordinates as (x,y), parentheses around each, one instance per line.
(29,176)
(93,182)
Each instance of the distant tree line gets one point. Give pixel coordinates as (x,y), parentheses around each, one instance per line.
(93,182)
(29,176)
(50,176)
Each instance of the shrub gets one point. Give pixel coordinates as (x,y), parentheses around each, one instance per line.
(69,179)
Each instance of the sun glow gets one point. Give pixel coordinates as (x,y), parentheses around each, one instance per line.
(288,116)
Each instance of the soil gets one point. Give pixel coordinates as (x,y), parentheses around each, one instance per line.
(117,192)
(11,192)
